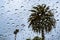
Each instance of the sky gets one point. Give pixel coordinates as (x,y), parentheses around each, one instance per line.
(14,14)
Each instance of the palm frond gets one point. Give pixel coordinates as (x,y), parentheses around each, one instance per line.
(32,10)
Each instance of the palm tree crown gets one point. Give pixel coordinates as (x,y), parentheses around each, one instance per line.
(16,31)
(41,18)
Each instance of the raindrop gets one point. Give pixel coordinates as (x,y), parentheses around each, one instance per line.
(16,9)
(5,36)
(2,13)
(1,35)
(39,0)
(11,0)
(56,12)
(17,25)
(8,23)
(57,19)
(15,13)
(10,19)
(52,35)
(7,3)
(13,23)
(24,9)
(10,34)
(8,28)
(22,29)
(2,6)
(23,37)
(57,2)
(8,11)
(22,25)
(56,7)
(22,6)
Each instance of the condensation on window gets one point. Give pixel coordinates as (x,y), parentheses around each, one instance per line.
(14,16)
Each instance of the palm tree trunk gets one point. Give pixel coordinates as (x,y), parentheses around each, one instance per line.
(15,37)
(43,38)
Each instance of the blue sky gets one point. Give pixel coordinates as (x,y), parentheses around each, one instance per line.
(14,14)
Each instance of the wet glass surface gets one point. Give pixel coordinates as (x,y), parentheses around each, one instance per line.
(14,15)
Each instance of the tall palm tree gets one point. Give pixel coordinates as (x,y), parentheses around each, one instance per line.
(15,32)
(41,19)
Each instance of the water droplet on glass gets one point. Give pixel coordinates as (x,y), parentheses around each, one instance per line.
(57,2)
(22,6)
(8,11)
(22,25)
(16,9)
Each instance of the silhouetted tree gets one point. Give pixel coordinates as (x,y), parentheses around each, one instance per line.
(28,39)
(15,32)
(41,19)
(37,38)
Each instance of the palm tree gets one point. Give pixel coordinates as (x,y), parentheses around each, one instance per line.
(37,38)
(28,39)
(15,32)
(41,19)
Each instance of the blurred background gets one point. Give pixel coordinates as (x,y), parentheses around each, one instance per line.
(14,15)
